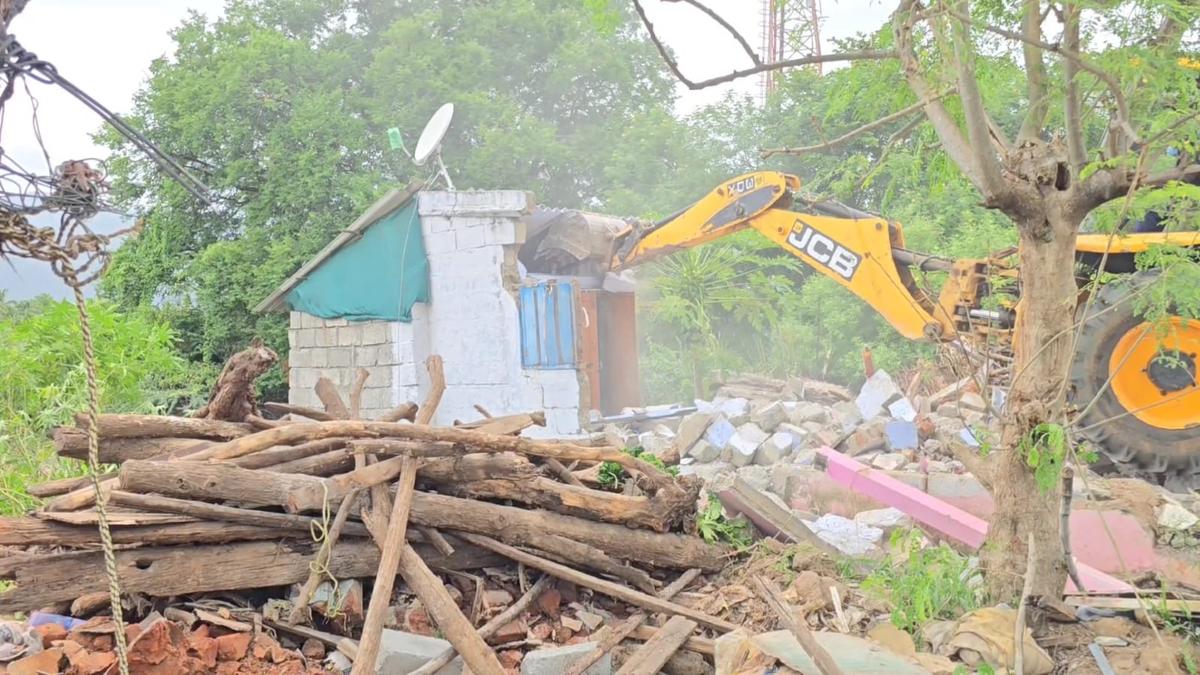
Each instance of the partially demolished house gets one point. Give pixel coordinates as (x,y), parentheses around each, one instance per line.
(511,296)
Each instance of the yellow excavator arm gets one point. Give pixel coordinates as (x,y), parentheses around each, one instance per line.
(856,249)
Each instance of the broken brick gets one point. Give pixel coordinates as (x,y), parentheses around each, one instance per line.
(50,633)
(549,602)
(233,647)
(42,662)
(510,658)
(510,632)
(204,648)
(541,631)
(416,620)
(91,663)
(313,649)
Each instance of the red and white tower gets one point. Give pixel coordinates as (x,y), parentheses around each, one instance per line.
(791,29)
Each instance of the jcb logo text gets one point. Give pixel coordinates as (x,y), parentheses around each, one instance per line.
(824,250)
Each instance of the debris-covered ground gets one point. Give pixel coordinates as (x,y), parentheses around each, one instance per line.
(783,526)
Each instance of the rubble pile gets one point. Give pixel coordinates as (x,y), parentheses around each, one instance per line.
(768,432)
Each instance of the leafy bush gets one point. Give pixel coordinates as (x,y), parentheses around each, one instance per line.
(925,584)
(45,383)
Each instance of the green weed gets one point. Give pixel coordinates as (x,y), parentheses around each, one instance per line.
(924,584)
(612,474)
(716,528)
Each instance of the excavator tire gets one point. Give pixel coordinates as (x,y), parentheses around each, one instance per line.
(1137,393)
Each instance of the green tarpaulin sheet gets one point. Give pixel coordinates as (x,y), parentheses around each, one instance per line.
(380,276)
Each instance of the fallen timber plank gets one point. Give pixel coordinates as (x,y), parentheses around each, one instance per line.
(287,453)
(53,488)
(473,440)
(279,521)
(654,654)
(72,442)
(41,581)
(38,532)
(149,426)
(599,585)
(219,481)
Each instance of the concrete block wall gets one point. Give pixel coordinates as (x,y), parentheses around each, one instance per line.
(337,348)
(471,239)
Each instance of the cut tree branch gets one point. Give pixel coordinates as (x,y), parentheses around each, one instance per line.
(1076,143)
(855,133)
(673,65)
(979,125)
(1114,87)
(951,136)
(1035,74)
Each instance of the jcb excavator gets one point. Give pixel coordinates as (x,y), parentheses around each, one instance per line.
(1146,409)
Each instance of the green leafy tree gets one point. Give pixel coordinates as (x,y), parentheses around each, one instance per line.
(282,107)
(41,365)
(1092,122)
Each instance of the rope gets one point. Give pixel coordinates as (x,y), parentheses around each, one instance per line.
(93,432)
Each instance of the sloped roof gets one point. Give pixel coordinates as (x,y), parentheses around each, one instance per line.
(386,204)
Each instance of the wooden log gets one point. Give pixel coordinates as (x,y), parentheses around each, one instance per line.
(356,392)
(509,425)
(164,426)
(79,498)
(300,608)
(599,585)
(201,480)
(692,644)
(391,446)
(616,634)
(581,555)
(489,629)
(564,474)
(660,512)
(117,517)
(654,654)
(37,532)
(477,467)
(72,442)
(233,398)
(437,540)
(473,440)
(437,387)
(455,627)
(54,488)
(389,563)
(229,514)
(288,453)
(213,482)
(798,627)
(315,495)
(522,526)
(282,409)
(331,399)
(330,463)
(176,570)
(405,411)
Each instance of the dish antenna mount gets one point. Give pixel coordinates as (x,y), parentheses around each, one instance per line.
(430,142)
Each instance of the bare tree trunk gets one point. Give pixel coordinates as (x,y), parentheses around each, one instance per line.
(1042,348)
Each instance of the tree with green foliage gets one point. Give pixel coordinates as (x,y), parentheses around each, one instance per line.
(282,107)
(1103,95)
(41,366)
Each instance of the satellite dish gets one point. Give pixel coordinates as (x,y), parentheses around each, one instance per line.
(430,142)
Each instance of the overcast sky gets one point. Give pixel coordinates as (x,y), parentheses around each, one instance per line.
(106,48)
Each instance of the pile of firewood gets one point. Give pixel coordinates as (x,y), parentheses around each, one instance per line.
(230,500)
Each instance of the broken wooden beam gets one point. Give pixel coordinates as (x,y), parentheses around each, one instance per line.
(282,409)
(798,627)
(608,588)
(38,532)
(111,425)
(654,654)
(72,442)
(229,514)
(331,399)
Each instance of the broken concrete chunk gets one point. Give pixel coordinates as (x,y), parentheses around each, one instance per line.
(846,416)
(867,437)
(884,519)
(719,432)
(902,435)
(691,429)
(736,410)
(401,652)
(769,416)
(876,392)
(854,655)
(758,477)
(889,461)
(902,409)
(558,659)
(807,411)
(972,401)
(776,448)
(704,452)
(744,444)
(846,535)
(1173,516)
